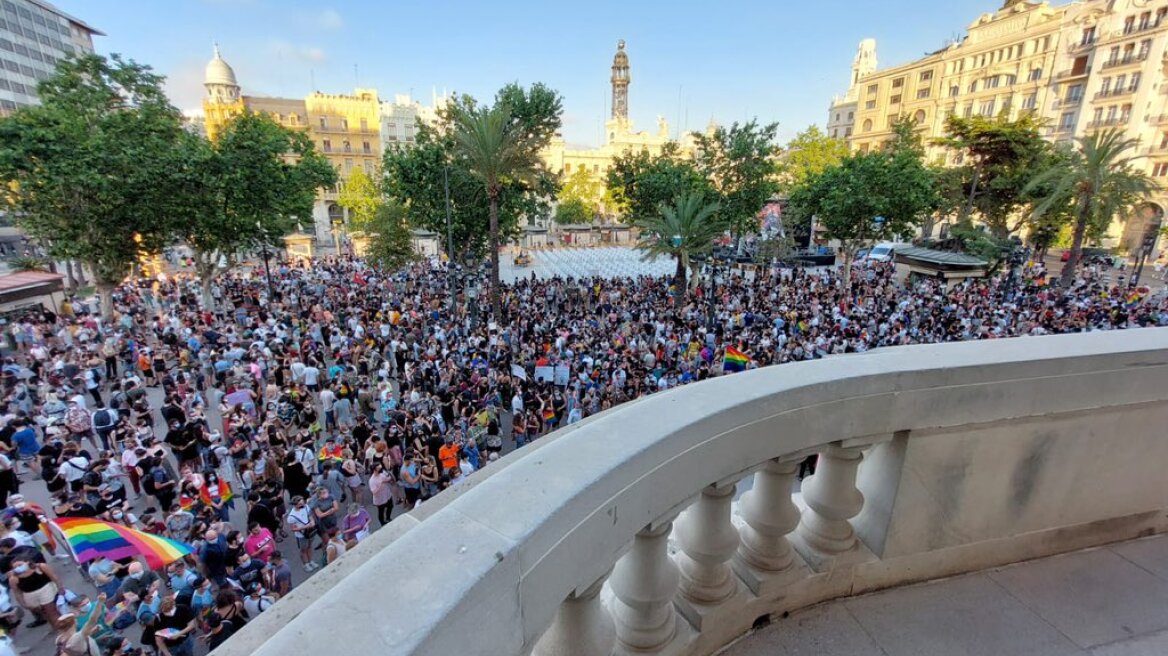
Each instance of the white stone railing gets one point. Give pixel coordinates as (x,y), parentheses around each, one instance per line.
(932,460)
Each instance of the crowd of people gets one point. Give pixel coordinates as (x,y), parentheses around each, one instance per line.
(275,428)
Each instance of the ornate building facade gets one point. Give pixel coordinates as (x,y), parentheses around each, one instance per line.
(619,134)
(1085,66)
(345,128)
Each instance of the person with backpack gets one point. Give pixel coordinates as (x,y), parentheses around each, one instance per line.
(104,422)
(157,482)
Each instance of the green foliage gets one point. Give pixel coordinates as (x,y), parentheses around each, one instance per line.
(1001,157)
(88,171)
(1100,180)
(246,189)
(390,244)
(808,154)
(28,263)
(413,176)
(361,196)
(501,145)
(642,183)
(846,199)
(739,164)
(689,220)
(572,210)
(979,242)
(585,189)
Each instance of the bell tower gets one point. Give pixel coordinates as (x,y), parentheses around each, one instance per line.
(620,82)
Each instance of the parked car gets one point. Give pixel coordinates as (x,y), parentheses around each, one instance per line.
(884,251)
(1100,255)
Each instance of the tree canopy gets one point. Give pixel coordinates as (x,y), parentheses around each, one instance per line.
(86,171)
(739,164)
(643,183)
(808,154)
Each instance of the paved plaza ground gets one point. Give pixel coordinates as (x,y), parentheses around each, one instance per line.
(1110,601)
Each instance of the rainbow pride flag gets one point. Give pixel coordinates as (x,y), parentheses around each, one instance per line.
(734,360)
(91,538)
(224,491)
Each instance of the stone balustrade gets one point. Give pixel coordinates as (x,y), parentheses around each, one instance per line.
(622,534)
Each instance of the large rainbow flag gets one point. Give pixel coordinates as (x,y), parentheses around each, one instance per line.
(91,538)
(734,360)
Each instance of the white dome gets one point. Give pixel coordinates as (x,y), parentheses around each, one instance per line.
(218,72)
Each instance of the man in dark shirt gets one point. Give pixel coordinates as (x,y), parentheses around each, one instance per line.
(176,622)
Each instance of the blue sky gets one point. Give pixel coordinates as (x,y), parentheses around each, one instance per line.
(778,60)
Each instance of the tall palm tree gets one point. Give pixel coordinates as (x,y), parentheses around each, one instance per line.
(497,150)
(685,228)
(1102,182)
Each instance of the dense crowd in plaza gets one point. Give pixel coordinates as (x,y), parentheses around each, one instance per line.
(276,433)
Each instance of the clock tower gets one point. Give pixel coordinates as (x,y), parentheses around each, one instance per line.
(620,82)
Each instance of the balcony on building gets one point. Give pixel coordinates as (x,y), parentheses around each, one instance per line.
(1158,119)
(1116,92)
(1068,102)
(1111,122)
(1127,60)
(1073,73)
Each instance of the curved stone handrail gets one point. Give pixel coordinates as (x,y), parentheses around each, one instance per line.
(974,454)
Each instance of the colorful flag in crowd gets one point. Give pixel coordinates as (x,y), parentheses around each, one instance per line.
(549,414)
(91,538)
(225,493)
(734,360)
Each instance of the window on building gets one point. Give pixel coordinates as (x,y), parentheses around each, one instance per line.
(1135,82)
(923,93)
(596,168)
(1160,169)
(1075,93)
(348,165)
(1088,36)
(871,104)
(1067,121)
(993,82)
(567,168)
(364,124)
(986,108)
(1125,113)
(898,83)
(1145,20)
(1105,87)
(851,115)
(920,117)
(1164,140)
(926,76)
(369,166)
(1035,74)
(864,148)
(1079,67)
(954,91)
(835,134)
(847,132)
(1145,48)
(973,87)
(1030,101)
(344,124)
(365,147)
(873,88)
(891,120)
(1120,82)
(837,118)
(895,100)
(968,112)
(348,148)
(1098,116)
(1160,14)
(323,123)
(1129,24)
(867,125)
(326,146)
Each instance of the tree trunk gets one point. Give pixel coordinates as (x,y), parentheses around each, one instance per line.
(105,294)
(81,280)
(967,211)
(70,279)
(1067,278)
(205,290)
(679,276)
(496,292)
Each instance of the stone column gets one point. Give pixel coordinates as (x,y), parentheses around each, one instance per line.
(708,540)
(770,515)
(832,499)
(644,582)
(582,626)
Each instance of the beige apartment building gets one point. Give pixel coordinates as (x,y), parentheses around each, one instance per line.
(1088,65)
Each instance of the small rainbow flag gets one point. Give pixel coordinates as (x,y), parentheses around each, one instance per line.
(91,538)
(549,415)
(734,360)
(224,493)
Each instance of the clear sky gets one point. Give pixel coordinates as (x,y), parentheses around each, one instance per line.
(779,60)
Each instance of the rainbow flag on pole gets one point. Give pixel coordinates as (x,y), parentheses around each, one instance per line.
(734,360)
(90,538)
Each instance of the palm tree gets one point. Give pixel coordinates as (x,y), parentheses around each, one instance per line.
(497,150)
(1102,182)
(683,229)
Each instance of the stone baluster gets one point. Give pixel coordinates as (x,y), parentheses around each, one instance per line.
(708,540)
(832,499)
(582,626)
(765,553)
(643,583)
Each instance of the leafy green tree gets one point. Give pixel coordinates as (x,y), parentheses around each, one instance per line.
(245,190)
(1102,182)
(585,189)
(1000,158)
(414,176)
(361,196)
(571,211)
(642,183)
(682,229)
(86,172)
(868,197)
(808,154)
(739,163)
(498,147)
(391,246)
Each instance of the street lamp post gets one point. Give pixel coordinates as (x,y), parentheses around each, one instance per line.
(472,293)
(713,263)
(449,238)
(266,255)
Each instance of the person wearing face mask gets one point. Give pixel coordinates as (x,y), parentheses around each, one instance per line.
(36,586)
(83,607)
(257,601)
(173,628)
(248,571)
(303,525)
(202,599)
(75,638)
(105,574)
(138,581)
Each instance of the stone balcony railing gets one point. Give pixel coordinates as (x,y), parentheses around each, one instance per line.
(621,534)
